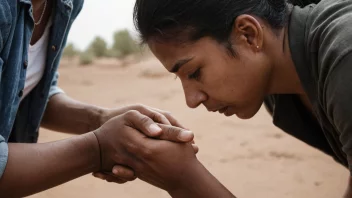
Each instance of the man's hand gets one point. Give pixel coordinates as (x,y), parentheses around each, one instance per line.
(121,174)
(144,124)
(159,116)
(120,143)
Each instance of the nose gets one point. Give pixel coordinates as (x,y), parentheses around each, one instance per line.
(194,97)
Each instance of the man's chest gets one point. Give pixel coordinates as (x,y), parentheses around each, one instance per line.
(41,19)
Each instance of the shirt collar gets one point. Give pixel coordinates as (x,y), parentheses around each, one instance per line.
(64,5)
(298,46)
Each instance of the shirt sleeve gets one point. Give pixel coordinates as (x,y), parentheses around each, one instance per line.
(5,26)
(4,151)
(54,89)
(338,96)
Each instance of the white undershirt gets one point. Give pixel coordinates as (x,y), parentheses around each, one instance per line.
(36,61)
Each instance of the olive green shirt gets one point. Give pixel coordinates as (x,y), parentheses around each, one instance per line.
(320,38)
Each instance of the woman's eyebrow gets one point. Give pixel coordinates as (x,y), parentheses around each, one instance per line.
(179,64)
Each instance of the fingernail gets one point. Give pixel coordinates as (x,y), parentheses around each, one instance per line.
(155,129)
(115,171)
(185,136)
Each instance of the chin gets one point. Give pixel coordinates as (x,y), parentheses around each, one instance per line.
(229,114)
(246,115)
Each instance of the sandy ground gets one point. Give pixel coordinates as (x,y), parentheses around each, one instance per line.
(252,158)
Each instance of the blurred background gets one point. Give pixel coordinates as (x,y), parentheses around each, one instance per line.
(251,158)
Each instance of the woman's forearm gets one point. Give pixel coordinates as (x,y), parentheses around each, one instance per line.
(201,184)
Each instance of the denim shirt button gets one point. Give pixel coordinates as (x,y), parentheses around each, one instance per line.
(25,64)
(53,48)
(20,94)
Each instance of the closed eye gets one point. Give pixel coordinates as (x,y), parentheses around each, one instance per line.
(195,75)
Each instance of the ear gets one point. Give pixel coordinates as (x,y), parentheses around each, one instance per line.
(248,32)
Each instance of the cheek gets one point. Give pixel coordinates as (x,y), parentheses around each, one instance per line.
(238,81)
(239,84)
(220,84)
(253,83)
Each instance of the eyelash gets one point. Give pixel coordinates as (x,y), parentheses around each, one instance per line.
(195,75)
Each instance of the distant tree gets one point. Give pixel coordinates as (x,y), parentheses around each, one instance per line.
(124,44)
(99,47)
(112,53)
(86,58)
(70,51)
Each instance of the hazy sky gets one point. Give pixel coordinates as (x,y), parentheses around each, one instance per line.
(101,18)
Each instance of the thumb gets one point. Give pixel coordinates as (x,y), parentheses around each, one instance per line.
(175,134)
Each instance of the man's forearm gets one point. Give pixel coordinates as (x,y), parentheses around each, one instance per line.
(64,114)
(201,183)
(32,168)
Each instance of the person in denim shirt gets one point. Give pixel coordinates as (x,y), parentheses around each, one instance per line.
(30,168)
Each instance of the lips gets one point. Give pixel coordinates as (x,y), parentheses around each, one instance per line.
(227,110)
(220,110)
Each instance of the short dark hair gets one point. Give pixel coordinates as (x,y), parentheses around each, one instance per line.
(190,20)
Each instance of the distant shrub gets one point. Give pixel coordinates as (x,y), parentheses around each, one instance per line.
(86,58)
(99,47)
(124,44)
(112,53)
(70,51)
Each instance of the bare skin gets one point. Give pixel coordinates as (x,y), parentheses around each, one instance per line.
(38,8)
(32,168)
(66,115)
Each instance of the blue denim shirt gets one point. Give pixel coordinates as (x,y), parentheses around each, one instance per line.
(19,122)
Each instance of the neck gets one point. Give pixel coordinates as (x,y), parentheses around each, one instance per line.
(37,5)
(285,79)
